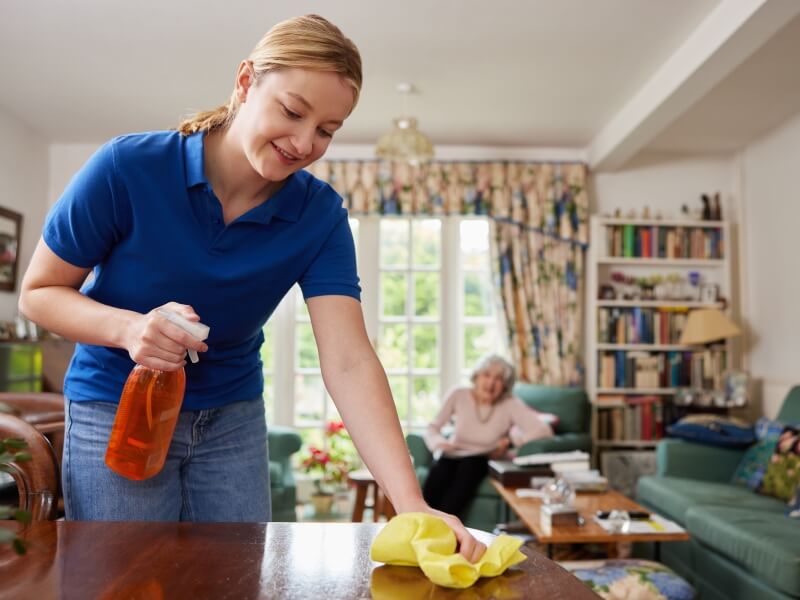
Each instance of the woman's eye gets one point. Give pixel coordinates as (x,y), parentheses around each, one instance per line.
(324,133)
(290,114)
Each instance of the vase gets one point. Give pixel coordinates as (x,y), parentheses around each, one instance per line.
(322,503)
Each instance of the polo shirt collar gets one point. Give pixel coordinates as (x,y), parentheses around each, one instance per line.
(286,204)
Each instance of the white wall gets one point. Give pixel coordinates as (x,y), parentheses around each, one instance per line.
(23,188)
(65,160)
(771,224)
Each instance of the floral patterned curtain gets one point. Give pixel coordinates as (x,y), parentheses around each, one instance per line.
(539,216)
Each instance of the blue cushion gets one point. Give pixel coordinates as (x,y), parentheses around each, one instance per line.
(754,463)
(631,578)
(793,507)
(713,430)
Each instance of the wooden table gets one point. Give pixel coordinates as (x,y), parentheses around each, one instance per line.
(160,561)
(527,509)
(365,484)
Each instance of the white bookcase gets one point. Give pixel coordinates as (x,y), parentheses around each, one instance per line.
(603,259)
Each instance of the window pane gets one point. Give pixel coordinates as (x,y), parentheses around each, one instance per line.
(309,399)
(426,292)
(426,239)
(394,287)
(475,244)
(393,346)
(267,348)
(354,229)
(269,398)
(399,385)
(426,351)
(479,340)
(307,357)
(300,308)
(478,301)
(332,413)
(394,243)
(426,401)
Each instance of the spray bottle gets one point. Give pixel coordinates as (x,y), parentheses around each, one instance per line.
(148,412)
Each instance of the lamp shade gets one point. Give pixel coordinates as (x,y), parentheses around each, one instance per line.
(707,325)
(405,143)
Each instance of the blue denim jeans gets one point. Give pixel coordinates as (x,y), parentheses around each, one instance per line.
(216,470)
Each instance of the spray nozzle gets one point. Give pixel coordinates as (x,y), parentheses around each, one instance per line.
(196,330)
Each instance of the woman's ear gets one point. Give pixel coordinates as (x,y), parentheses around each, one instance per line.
(245,77)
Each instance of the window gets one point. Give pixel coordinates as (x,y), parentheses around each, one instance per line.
(429,309)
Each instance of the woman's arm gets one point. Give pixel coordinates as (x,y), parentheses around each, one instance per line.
(526,424)
(357,383)
(49,296)
(434,439)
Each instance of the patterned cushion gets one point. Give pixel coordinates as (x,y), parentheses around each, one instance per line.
(783,471)
(616,579)
(713,430)
(753,465)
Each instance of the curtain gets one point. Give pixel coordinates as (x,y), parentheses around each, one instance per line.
(539,215)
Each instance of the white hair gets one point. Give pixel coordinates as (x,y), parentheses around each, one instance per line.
(495,360)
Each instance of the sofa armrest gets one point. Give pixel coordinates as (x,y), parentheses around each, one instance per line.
(283,442)
(420,454)
(679,458)
(559,443)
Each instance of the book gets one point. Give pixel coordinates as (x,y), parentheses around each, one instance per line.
(513,475)
(548,458)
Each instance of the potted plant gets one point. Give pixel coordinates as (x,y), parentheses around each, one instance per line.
(11,451)
(330,464)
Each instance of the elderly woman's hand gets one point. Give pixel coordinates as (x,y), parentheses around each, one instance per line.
(501,448)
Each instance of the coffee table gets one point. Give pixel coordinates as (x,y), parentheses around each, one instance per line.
(587,504)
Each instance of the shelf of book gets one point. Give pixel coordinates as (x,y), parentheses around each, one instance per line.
(661,262)
(635,363)
(678,304)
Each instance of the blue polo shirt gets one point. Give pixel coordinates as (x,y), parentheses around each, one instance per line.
(142,214)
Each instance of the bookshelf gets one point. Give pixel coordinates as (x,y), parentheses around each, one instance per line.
(643,278)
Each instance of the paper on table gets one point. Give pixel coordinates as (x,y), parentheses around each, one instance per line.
(529,493)
(656,524)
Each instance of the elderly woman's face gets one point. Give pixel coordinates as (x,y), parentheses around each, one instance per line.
(489,383)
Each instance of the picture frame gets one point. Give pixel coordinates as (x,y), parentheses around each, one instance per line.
(709,293)
(10,230)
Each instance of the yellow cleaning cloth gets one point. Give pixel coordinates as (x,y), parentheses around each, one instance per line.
(419,539)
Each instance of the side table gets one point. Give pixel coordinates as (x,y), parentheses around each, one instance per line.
(365,484)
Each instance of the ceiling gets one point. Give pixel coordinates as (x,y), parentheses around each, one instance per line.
(508,73)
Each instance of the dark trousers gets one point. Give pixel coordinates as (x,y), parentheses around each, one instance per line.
(452,482)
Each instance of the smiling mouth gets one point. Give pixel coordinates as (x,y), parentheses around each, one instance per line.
(285,155)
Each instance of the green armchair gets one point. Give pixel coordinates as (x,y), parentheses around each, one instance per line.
(283,442)
(571,405)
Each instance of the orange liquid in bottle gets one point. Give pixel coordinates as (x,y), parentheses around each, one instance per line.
(148,412)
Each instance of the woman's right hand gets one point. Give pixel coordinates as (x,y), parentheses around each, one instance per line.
(153,341)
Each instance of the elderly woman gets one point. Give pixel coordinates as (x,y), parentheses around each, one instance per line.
(488,420)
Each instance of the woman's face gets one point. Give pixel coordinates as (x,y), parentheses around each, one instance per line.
(489,383)
(288,117)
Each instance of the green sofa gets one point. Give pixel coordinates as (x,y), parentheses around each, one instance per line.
(283,442)
(572,433)
(743,546)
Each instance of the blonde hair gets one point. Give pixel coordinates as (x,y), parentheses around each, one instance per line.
(308,42)
(495,360)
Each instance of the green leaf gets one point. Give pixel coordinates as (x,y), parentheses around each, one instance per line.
(23,516)
(19,546)
(14,443)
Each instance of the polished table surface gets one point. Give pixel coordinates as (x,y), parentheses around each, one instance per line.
(159,561)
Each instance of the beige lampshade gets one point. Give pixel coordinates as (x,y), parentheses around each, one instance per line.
(707,325)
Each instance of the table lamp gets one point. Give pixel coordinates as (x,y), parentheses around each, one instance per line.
(706,325)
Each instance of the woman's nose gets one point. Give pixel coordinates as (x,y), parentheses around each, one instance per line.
(303,142)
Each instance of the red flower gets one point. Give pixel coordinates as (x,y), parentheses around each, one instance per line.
(334,427)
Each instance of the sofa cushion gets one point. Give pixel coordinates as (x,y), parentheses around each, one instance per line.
(783,471)
(673,496)
(753,465)
(766,544)
(713,430)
